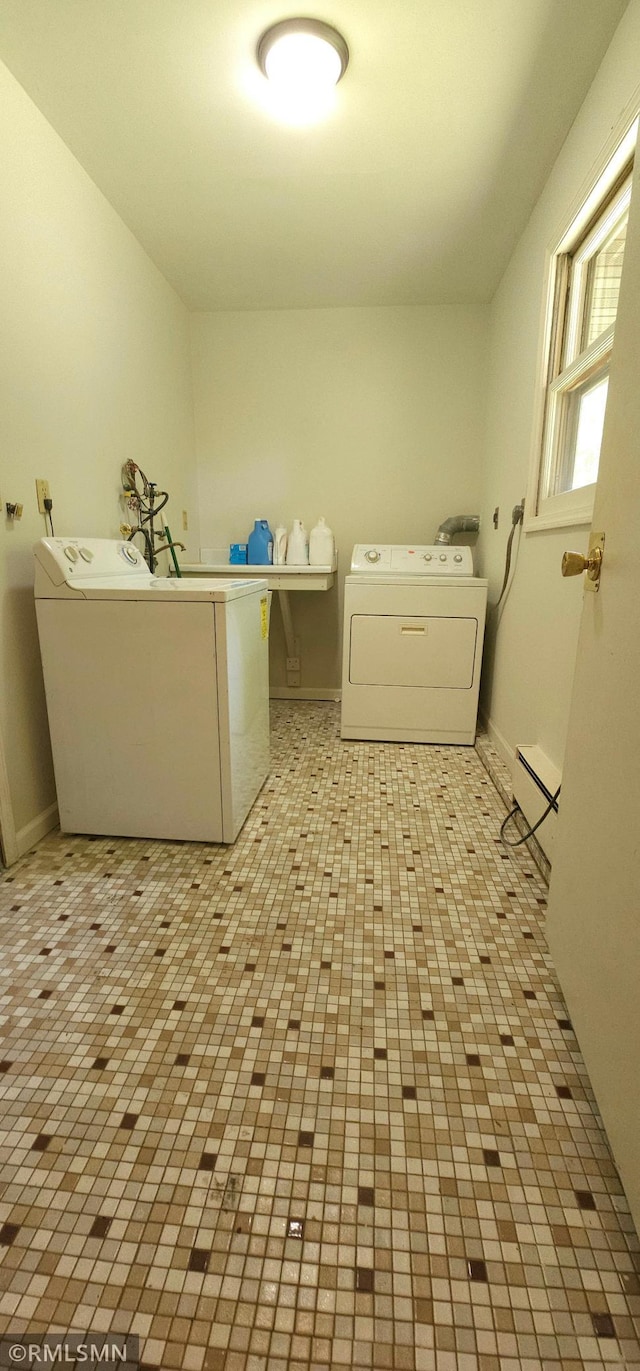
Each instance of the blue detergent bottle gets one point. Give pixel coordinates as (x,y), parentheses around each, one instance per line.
(260,544)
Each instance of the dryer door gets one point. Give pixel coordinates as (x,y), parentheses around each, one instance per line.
(430,651)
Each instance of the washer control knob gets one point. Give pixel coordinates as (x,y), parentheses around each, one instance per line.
(86,554)
(427,557)
(71,553)
(129,553)
(458,557)
(443,556)
(372,555)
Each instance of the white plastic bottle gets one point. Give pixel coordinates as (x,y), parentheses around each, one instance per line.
(280,545)
(321,545)
(298,545)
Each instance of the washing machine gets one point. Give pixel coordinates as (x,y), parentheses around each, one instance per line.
(157,693)
(414,622)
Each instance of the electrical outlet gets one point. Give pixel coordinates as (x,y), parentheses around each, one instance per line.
(293,671)
(43,493)
(185,521)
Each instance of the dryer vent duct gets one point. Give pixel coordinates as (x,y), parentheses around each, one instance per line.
(458,523)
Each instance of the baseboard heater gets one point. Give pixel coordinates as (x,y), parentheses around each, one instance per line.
(535,781)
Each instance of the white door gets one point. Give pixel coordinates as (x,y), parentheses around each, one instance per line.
(594,903)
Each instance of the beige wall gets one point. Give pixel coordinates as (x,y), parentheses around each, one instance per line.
(530,656)
(371,417)
(94,359)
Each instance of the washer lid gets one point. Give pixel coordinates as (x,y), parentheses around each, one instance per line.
(412,559)
(153,589)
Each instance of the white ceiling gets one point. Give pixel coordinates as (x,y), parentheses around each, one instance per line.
(415,190)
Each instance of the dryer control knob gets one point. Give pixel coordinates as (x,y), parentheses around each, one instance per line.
(443,556)
(427,557)
(86,554)
(458,557)
(372,555)
(71,553)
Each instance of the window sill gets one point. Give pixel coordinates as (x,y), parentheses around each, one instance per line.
(562,511)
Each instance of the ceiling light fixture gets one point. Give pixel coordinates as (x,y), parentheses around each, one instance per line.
(299,54)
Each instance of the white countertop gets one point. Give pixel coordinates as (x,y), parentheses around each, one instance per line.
(277,577)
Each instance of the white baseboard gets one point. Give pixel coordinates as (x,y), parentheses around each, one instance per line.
(305,693)
(500,743)
(36,828)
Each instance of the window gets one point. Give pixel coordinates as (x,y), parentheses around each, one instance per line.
(584,286)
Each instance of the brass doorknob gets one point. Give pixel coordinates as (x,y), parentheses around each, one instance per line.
(573,563)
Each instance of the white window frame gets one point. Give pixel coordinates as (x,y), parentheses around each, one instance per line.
(572,507)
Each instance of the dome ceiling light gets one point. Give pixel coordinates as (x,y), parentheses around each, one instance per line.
(302,50)
(303,60)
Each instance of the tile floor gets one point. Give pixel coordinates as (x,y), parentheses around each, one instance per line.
(312,1101)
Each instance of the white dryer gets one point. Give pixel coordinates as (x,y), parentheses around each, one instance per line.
(157,693)
(412,650)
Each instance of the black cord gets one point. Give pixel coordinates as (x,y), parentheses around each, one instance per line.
(48,506)
(516,519)
(553,804)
